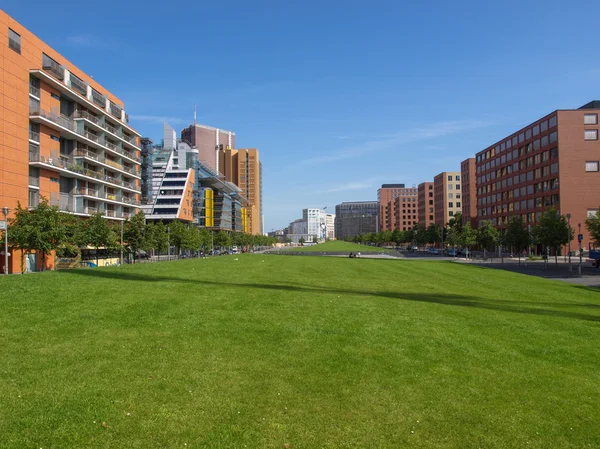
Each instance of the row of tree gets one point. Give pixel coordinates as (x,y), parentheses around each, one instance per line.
(44,229)
(551,232)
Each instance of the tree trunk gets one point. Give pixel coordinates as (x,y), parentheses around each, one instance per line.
(97,257)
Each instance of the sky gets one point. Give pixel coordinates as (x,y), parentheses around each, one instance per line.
(339,96)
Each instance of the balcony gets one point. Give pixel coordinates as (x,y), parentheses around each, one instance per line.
(93,137)
(78,85)
(34,91)
(114,164)
(87,191)
(86,115)
(115,110)
(99,99)
(111,129)
(64,201)
(34,136)
(34,181)
(53,67)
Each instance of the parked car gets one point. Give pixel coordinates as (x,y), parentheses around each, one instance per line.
(451,252)
(414,248)
(432,251)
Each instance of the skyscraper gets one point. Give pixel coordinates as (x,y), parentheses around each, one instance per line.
(208,141)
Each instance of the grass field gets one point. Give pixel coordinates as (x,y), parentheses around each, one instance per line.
(307,352)
(338,246)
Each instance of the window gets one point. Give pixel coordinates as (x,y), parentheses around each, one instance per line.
(449,186)
(544,126)
(450,196)
(451,213)
(591,166)
(592,213)
(591,134)
(554,168)
(536,130)
(590,119)
(528,134)
(552,121)
(14,41)
(457,178)
(553,153)
(450,204)
(449,177)
(458,204)
(458,196)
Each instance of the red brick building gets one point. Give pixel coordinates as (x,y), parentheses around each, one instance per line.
(425,202)
(553,162)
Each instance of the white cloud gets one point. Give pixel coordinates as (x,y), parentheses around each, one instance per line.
(158,119)
(399,139)
(85,40)
(350,186)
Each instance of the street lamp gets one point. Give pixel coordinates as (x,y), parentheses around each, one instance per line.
(569,236)
(580,252)
(5,212)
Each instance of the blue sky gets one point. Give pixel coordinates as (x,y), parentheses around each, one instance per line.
(338,96)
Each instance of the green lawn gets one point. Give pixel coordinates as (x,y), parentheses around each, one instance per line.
(338,246)
(310,352)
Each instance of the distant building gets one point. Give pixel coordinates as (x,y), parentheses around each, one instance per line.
(401,210)
(330,226)
(356,218)
(316,221)
(208,141)
(385,194)
(426,206)
(447,197)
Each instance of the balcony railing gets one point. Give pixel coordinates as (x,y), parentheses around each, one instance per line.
(50,65)
(34,181)
(87,191)
(109,213)
(110,128)
(34,136)
(99,99)
(128,154)
(115,110)
(91,136)
(34,91)
(78,85)
(86,115)
(87,153)
(114,164)
(53,117)
(129,185)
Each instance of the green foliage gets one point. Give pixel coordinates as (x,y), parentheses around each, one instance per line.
(467,237)
(433,234)
(134,233)
(592,224)
(487,235)
(517,235)
(301,240)
(552,230)
(98,233)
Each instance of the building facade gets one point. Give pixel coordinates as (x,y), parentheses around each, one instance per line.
(64,136)
(552,162)
(243,168)
(404,210)
(385,194)
(469,191)
(316,222)
(354,218)
(330,226)
(208,141)
(447,197)
(401,210)
(425,203)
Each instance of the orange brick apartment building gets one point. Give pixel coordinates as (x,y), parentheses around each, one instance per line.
(62,135)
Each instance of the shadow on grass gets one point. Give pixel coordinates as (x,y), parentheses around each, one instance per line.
(437,298)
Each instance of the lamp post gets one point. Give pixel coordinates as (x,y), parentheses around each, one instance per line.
(569,236)
(580,253)
(168,243)
(5,212)
(529,240)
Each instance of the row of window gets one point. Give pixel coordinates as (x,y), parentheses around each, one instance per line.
(537,187)
(456,178)
(451,204)
(517,139)
(521,177)
(532,203)
(520,152)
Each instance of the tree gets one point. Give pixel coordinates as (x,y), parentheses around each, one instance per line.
(18,232)
(420,235)
(315,239)
(487,235)
(41,229)
(552,231)
(178,235)
(452,236)
(467,237)
(516,235)
(592,224)
(98,233)
(433,234)
(301,241)
(134,233)
(456,222)
(159,237)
